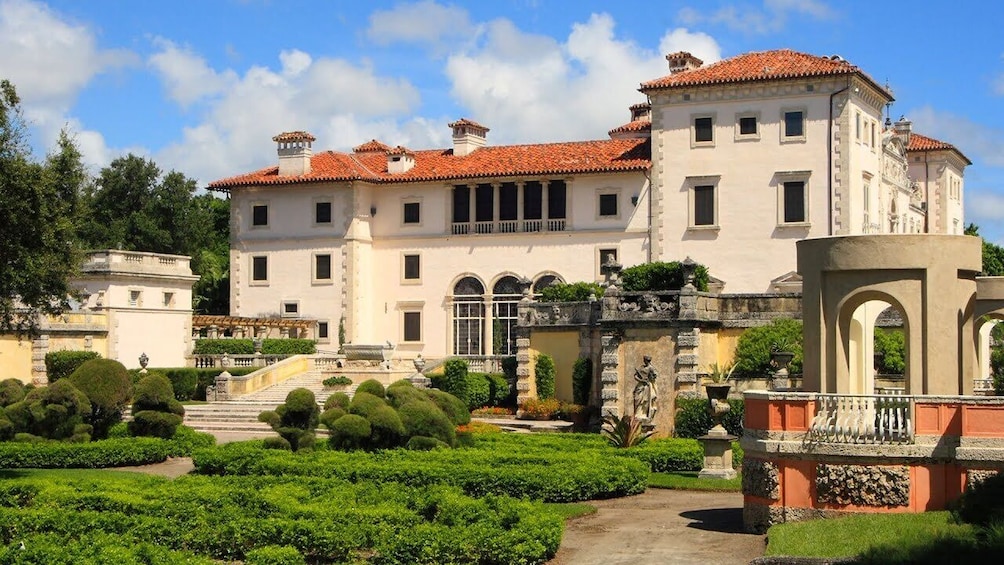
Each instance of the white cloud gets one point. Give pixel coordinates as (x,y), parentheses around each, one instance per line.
(771,18)
(977,141)
(186,76)
(532,88)
(425,22)
(986,206)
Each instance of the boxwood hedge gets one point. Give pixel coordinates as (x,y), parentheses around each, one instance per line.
(117,452)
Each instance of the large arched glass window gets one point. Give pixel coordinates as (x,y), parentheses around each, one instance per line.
(545,281)
(468,317)
(505,302)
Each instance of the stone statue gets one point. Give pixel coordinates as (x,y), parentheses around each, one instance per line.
(645,392)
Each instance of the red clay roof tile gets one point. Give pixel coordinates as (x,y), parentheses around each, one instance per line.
(294,136)
(922,143)
(636,125)
(371,145)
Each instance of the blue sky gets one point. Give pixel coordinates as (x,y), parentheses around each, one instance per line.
(202,86)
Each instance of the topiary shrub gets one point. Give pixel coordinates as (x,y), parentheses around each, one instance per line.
(403,391)
(296,419)
(153,395)
(451,406)
(423,419)
(53,412)
(221,346)
(336,381)
(454,380)
(661,276)
(544,375)
(350,432)
(153,423)
(109,389)
(363,404)
(277,442)
(288,347)
(582,380)
(478,390)
(386,428)
(11,391)
(754,345)
(339,399)
(329,416)
(6,427)
(60,364)
(498,389)
(372,386)
(573,292)
(184,382)
(422,443)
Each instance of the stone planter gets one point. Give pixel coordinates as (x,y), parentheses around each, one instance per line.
(718,405)
(781,359)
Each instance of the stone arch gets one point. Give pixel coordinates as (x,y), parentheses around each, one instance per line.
(544,279)
(506,292)
(467,315)
(857,314)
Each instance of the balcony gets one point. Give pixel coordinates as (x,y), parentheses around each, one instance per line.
(509,226)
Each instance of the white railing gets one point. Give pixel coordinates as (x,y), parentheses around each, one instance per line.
(849,418)
(484,227)
(533,225)
(508,226)
(484,363)
(557,224)
(461,228)
(983,386)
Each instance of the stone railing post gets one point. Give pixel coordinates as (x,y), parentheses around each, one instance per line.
(610,374)
(39,347)
(687,358)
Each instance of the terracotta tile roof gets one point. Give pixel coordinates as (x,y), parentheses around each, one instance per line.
(636,125)
(399,150)
(922,143)
(466,122)
(371,145)
(294,136)
(603,156)
(640,106)
(760,66)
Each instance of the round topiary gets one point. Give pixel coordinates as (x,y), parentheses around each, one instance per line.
(300,410)
(277,442)
(478,390)
(373,387)
(339,399)
(453,407)
(403,391)
(363,404)
(386,427)
(422,443)
(109,389)
(274,555)
(11,391)
(329,416)
(423,419)
(154,423)
(154,392)
(350,432)
(6,427)
(55,411)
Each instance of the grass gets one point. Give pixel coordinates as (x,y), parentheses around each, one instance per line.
(689,481)
(883,534)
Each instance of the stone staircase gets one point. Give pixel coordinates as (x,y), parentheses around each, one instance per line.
(241,414)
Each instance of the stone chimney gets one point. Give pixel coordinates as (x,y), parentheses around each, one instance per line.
(642,111)
(682,61)
(468,137)
(400,160)
(294,152)
(903,127)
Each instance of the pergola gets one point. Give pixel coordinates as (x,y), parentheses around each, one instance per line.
(259,328)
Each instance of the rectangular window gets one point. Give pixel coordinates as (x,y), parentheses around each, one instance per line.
(290,309)
(794,202)
(608,205)
(608,256)
(135,298)
(259,215)
(322,330)
(484,203)
(872,127)
(747,125)
(533,207)
(508,201)
(168,300)
(412,212)
(704,205)
(461,204)
(857,126)
(259,268)
(412,267)
(412,326)
(703,130)
(322,212)
(556,199)
(322,267)
(794,124)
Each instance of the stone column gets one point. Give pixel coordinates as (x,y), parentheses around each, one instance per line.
(213,332)
(520,197)
(488,334)
(687,358)
(610,374)
(523,344)
(544,211)
(39,347)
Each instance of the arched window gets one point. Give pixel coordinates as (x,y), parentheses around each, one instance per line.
(468,317)
(545,281)
(505,301)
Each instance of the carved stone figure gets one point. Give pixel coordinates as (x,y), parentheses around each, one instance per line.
(645,392)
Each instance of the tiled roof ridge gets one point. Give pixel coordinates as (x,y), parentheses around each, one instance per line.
(466,122)
(372,145)
(923,143)
(634,125)
(296,135)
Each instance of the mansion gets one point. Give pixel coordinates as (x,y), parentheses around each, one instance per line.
(729,163)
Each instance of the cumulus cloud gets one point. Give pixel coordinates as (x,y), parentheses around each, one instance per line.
(978,141)
(771,18)
(51,60)
(543,90)
(184,74)
(427,23)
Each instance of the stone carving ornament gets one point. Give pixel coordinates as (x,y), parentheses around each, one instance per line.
(645,392)
(862,485)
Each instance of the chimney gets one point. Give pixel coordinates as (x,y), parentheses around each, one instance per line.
(642,111)
(468,137)
(903,127)
(683,61)
(294,152)
(400,160)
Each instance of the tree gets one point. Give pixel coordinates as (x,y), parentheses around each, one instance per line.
(993,255)
(38,204)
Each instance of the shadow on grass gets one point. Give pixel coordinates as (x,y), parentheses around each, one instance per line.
(725,520)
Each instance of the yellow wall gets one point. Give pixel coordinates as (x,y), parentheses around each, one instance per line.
(564,348)
(728,338)
(15,358)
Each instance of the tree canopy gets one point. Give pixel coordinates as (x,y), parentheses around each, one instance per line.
(993,255)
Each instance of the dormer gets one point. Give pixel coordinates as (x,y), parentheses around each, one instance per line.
(400,160)
(468,137)
(683,61)
(294,152)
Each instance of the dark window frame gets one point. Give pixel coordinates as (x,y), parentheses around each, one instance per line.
(792,128)
(745,121)
(322,212)
(411,326)
(259,215)
(608,205)
(259,266)
(318,266)
(704,129)
(793,200)
(704,205)
(412,267)
(412,212)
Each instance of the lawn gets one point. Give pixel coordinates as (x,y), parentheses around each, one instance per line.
(685,480)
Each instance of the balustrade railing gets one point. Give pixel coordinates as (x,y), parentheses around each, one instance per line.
(556,224)
(868,419)
(508,226)
(216,361)
(483,363)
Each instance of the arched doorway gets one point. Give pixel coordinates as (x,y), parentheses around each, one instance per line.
(468,317)
(876,328)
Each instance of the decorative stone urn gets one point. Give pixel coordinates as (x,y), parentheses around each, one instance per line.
(717,442)
(780,359)
(718,406)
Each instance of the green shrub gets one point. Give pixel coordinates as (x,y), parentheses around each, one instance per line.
(119,452)
(754,346)
(693,421)
(53,412)
(386,428)
(661,276)
(498,389)
(337,381)
(454,408)
(350,432)
(329,416)
(582,380)
(153,423)
(185,382)
(372,386)
(363,404)
(154,392)
(274,555)
(573,292)
(295,419)
(422,419)
(60,364)
(668,455)
(11,391)
(891,346)
(221,346)
(339,399)
(118,431)
(276,442)
(288,347)
(544,375)
(478,390)
(422,443)
(403,391)
(983,503)
(6,427)
(106,384)
(454,380)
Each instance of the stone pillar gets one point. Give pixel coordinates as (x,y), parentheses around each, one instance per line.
(284,333)
(544,209)
(610,374)
(687,358)
(523,344)
(488,333)
(39,347)
(213,332)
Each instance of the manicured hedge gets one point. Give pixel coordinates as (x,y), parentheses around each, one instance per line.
(246,347)
(117,452)
(190,383)
(693,420)
(661,276)
(269,520)
(520,471)
(59,364)
(573,292)
(289,347)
